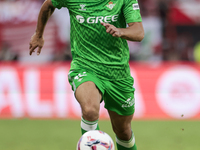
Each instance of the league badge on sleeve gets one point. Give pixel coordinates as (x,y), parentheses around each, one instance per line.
(136,6)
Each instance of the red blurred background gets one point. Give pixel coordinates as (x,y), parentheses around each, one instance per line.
(165,65)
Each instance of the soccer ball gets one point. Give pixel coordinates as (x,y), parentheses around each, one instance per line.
(95,140)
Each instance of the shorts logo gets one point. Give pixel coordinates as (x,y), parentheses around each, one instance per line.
(79,80)
(80,76)
(135,7)
(129,102)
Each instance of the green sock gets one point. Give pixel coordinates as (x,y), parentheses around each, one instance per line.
(126,145)
(88,125)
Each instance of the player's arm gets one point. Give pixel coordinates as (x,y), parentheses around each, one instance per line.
(134,31)
(37,40)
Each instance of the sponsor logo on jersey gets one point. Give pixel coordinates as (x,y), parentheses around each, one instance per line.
(136,6)
(98,19)
(80,18)
(110,5)
(129,102)
(82,7)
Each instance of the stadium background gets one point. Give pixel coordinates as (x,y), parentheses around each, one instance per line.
(37,107)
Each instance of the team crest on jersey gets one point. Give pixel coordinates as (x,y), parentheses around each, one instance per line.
(110,5)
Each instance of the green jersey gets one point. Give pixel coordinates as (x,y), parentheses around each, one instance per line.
(91,46)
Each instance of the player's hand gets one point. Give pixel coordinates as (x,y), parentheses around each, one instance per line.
(111,29)
(36,42)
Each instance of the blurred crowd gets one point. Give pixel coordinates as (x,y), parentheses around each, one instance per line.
(172,32)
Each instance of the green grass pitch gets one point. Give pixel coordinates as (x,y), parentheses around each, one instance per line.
(25,134)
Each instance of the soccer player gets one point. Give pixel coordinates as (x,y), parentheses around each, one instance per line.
(99,68)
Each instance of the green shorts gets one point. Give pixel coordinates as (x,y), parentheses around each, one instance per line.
(118,95)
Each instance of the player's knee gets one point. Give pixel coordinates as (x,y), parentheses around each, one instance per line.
(123,133)
(90,113)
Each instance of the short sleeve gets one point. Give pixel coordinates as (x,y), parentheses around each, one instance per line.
(58,3)
(131,11)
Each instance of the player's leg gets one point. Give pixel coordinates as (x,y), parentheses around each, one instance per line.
(122,127)
(120,103)
(89,97)
(84,84)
